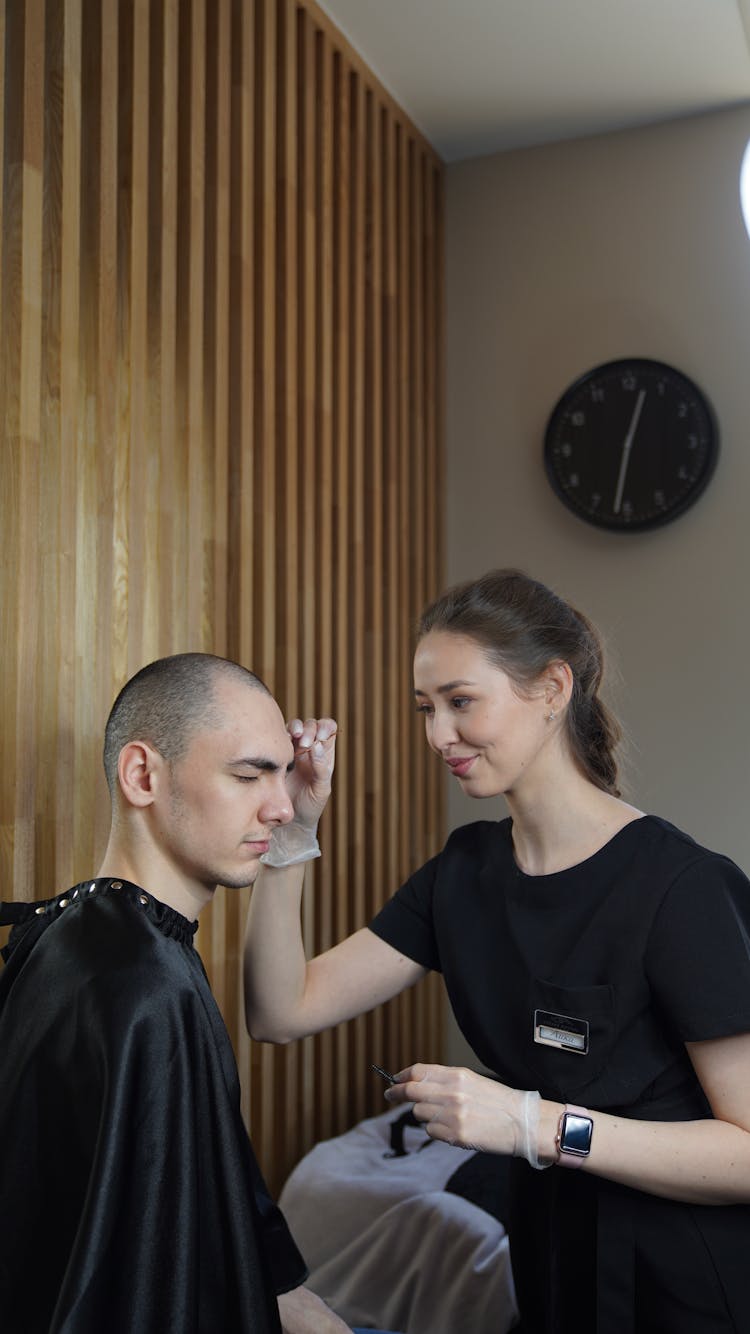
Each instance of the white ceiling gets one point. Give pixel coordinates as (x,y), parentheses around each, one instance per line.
(480,76)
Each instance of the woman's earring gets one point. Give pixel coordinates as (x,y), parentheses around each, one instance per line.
(551,716)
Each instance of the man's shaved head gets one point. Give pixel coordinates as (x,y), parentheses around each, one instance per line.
(167,702)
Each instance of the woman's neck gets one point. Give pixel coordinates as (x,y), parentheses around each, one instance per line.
(564,825)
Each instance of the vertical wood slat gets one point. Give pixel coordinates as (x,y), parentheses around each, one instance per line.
(358,704)
(3,26)
(224,921)
(29,436)
(241,477)
(71,413)
(174,534)
(288,683)
(405,482)
(265,1063)
(374,498)
(306,330)
(140,528)
(396,700)
(418,475)
(11,202)
(320,497)
(434,337)
(220,319)
(98,525)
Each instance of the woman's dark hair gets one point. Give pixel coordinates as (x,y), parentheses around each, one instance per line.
(523,627)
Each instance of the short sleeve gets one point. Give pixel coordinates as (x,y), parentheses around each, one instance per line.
(406,921)
(698,955)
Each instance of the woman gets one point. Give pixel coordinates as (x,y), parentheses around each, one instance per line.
(597,960)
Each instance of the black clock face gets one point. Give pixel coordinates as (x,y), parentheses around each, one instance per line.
(631,445)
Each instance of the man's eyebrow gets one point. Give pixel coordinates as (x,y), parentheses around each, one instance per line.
(256,762)
(446,689)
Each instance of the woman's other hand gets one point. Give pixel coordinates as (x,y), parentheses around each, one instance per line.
(461,1107)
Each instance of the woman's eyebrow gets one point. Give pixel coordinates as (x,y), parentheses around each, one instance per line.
(444,690)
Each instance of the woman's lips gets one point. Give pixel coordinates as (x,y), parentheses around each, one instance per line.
(461,766)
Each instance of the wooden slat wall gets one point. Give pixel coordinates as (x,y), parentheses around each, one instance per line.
(220,395)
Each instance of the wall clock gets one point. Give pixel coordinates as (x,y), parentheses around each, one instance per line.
(631,445)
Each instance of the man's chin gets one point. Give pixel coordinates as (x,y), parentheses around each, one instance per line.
(241,879)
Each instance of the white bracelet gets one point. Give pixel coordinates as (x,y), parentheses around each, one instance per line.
(292,844)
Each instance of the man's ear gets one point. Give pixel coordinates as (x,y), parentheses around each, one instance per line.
(138,770)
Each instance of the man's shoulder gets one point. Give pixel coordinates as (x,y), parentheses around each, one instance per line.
(104,945)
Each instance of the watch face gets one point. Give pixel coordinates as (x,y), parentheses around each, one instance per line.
(631,445)
(576,1134)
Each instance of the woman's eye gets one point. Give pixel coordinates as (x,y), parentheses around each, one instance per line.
(460,701)
(247,778)
(425,708)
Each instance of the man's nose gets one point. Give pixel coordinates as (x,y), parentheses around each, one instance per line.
(279,808)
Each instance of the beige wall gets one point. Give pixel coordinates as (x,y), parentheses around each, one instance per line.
(560,258)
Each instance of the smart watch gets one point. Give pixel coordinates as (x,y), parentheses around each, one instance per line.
(573,1138)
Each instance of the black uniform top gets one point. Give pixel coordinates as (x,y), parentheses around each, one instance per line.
(130,1198)
(645,945)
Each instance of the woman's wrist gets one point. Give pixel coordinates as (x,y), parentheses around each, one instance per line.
(549,1121)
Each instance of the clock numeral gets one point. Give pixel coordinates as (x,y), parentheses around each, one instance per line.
(684,475)
(661,388)
(682,409)
(629,382)
(659,498)
(566,450)
(597,395)
(692,442)
(627,510)
(595,501)
(574,479)
(578,418)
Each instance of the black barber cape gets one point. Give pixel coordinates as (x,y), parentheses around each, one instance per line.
(130,1198)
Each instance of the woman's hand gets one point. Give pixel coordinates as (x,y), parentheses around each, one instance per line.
(309,783)
(461,1107)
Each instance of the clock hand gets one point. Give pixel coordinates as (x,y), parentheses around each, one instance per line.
(628,445)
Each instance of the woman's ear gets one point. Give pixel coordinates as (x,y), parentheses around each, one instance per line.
(557,679)
(137,769)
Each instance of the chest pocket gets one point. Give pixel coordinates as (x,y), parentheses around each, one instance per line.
(567,1014)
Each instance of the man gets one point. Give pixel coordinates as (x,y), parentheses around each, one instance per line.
(130,1199)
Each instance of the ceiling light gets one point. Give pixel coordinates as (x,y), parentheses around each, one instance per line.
(745,187)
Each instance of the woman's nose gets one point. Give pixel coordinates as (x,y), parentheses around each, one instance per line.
(443,730)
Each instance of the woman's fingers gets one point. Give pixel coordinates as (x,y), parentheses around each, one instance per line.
(306,734)
(461,1106)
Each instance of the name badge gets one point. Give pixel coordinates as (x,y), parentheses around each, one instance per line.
(561,1031)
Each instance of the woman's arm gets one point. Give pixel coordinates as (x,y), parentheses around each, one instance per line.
(696,1162)
(285,996)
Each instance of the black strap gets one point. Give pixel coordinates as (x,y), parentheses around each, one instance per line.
(14,912)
